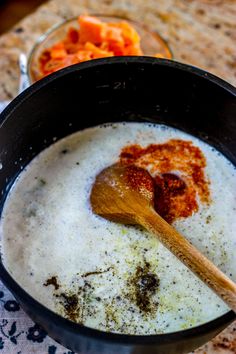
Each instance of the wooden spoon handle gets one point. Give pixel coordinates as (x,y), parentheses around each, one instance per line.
(190,256)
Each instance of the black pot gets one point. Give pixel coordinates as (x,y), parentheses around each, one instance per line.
(107,90)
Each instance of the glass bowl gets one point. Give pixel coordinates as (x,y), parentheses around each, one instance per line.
(151,42)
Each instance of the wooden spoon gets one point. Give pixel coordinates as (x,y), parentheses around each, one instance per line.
(125,194)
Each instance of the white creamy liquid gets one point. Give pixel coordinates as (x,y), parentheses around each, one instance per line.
(48,229)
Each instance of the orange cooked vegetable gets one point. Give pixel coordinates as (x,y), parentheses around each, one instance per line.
(94,39)
(91,30)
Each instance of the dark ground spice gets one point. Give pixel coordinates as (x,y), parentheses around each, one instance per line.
(96,272)
(71,306)
(52,281)
(143,285)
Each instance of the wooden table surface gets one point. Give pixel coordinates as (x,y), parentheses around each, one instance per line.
(199,32)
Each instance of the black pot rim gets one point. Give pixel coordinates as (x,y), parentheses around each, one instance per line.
(65,324)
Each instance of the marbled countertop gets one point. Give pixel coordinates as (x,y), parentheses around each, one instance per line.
(199,32)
